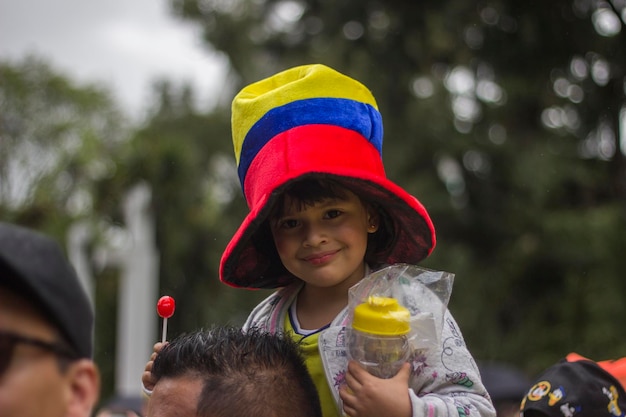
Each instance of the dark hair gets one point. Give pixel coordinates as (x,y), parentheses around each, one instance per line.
(307,192)
(244,374)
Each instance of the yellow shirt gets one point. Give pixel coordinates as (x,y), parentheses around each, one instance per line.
(313,363)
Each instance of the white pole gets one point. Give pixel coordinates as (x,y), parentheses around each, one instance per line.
(137,316)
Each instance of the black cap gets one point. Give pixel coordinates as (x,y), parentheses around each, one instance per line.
(577,389)
(34,266)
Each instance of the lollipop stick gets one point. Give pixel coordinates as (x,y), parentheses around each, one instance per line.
(164,336)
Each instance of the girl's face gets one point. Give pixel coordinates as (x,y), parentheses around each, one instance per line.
(324,244)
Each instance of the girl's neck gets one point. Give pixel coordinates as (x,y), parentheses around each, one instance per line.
(318,306)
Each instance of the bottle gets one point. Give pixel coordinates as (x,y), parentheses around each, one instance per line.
(378,336)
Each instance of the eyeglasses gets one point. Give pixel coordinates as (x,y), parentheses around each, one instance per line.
(8,341)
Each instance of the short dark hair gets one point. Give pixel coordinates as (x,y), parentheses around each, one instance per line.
(251,373)
(306,192)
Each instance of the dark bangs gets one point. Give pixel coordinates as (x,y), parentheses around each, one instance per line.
(307,192)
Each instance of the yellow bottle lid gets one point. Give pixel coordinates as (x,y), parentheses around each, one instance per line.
(382,316)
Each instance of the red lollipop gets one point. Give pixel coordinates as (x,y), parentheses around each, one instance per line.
(165,307)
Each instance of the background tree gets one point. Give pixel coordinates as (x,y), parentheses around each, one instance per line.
(58,141)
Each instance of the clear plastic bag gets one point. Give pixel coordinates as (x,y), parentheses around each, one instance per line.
(424,293)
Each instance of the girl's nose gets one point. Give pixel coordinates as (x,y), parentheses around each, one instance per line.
(315,235)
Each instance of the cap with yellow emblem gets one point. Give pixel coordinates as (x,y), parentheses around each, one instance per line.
(575,389)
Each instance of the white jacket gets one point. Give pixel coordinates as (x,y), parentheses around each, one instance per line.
(445,382)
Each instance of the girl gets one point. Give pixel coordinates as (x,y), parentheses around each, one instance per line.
(308,143)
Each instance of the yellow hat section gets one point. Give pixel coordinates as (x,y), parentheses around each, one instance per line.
(298,83)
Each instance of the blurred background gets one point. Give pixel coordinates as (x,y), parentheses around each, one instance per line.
(507,119)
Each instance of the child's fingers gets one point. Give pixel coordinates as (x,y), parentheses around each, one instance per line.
(156,349)
(404,373)
(357,372)
(347,399)
(352,384)
(349,411)
(146,378)
(147,381)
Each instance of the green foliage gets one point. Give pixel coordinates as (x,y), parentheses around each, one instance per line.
(58,141)
(57,138)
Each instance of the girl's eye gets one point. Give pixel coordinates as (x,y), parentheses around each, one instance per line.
(331,214)
(288,224)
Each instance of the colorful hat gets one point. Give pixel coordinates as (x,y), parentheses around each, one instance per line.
(312,122)
(575,389)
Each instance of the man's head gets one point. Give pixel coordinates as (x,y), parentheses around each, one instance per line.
(46,326)
(224,372)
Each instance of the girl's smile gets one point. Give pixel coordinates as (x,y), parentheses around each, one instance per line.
(321,258)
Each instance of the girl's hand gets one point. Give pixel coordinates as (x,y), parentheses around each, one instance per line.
(368,396)
(146,378)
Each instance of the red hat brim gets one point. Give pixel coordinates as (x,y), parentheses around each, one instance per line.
(250,259)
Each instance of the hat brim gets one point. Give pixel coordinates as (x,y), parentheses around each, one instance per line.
(255,265)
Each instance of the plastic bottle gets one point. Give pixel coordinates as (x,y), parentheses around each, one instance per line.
(378,337)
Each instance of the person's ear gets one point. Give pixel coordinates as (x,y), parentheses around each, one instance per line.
(373,220)
(84,388)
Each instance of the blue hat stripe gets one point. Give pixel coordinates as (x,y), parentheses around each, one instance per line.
(360,117)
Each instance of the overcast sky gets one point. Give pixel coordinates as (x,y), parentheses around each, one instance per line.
(123,44)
